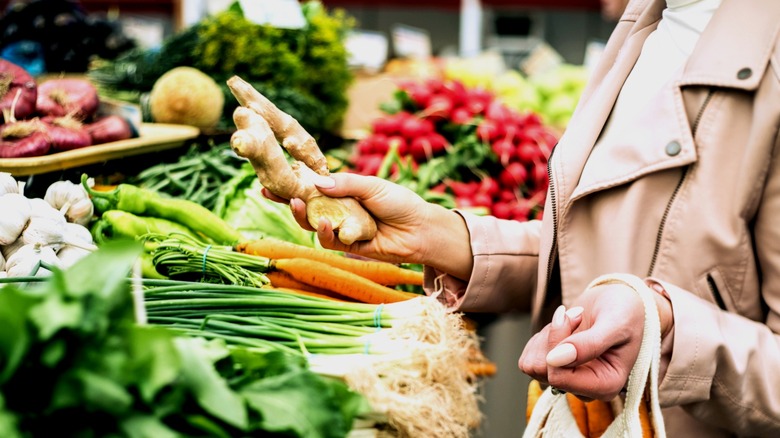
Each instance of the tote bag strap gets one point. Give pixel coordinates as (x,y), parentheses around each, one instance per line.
(552,417)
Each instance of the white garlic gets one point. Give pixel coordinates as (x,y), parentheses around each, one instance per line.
(8,184)
(72,200)
(3,274)
(41,208)
(16,211)
(28,258)
(52,232)
(10,249)
(2,263)
(78,233)
(69,255)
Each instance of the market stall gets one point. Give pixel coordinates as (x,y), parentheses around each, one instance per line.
(151,290)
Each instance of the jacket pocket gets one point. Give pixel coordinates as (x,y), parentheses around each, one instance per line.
(718,291)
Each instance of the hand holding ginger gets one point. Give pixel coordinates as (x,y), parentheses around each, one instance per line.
(261,128)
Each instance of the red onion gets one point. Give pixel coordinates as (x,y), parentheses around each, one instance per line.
(26,138)
(18,91)
(66,133)
(67,96)
(108,129)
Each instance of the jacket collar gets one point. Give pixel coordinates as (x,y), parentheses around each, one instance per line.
(735,47)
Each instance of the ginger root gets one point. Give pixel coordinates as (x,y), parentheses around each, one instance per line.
(257,140)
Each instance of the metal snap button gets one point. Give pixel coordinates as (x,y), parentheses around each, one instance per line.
(744,73)
(673,148)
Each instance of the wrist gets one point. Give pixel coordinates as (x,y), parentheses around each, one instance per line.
(664,304)
(447,243)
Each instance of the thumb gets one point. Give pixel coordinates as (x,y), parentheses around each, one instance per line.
(349,184)
(564,322)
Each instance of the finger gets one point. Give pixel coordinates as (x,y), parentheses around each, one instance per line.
(562,327)
(532,360)
(603,335)
(267,193)
(352,185)
(298,209)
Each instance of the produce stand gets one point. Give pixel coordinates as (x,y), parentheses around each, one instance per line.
(188,331)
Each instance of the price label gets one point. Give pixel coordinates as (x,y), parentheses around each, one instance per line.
(285,14)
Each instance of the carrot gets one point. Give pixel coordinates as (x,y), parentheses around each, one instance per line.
(337,280)
(534,392)
(384,273)
(579,412)
(482,368)
(281,279)
(600,416)
(644,420)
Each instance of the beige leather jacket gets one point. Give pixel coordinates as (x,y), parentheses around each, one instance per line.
(691,198)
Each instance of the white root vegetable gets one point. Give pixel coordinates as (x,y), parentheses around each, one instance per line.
(16,211)
(53,233)
(10,249)
(8,184)
(69,255)
(24,261)
(71,200)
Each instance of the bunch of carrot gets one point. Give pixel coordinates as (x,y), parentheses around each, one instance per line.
(332,274)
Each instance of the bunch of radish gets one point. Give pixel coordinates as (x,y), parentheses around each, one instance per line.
(487,155)
(39,233)
(58,114)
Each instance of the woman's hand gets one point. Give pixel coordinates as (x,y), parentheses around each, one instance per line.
(592,354)
(409,229)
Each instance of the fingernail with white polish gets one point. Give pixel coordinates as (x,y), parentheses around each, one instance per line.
(558,317)
(574,312)
(562,355)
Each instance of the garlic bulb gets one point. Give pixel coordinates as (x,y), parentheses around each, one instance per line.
(2,263)
(8,184)
(3,274)
(71,200)
(16,211)
(41,208)
(10,249)
(78,233)
(51,232)
(69,255)
(28,258)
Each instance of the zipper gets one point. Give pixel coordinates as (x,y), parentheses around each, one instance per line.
(715,292)
(668,209)
(554,212)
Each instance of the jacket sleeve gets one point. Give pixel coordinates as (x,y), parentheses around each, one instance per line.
(503,279)
(725,368)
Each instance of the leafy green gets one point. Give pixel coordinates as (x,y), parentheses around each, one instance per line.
(242,206)
(97,373)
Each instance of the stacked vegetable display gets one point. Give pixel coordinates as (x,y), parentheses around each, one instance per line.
(441,136)
(37,235)
(56,115)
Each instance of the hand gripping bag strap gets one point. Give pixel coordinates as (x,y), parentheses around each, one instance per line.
(552,418)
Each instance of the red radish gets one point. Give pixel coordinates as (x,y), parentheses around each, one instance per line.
(397,141)
(478,100)
(369,164)
(513,175)
(528,152)
(420,94)
(497,112)
(482,199)
(457,92)
(489,186)
(438,143)
(489,131)
(440,106)
(435,85)
(66,133)
(464,202)
(464,189)
(520,211)
(414,127)
(365,146)
(461,115)
(63,96)
(505,150)
(439,188)
(26,138)
(378,142)
(18,91)
(421,149)
(507,195)
(108,129)
(502,210)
